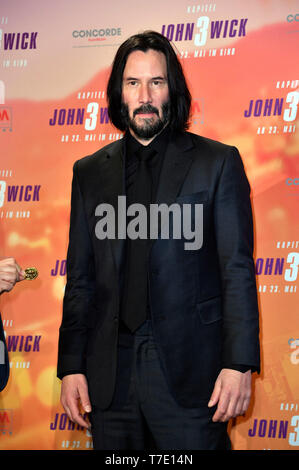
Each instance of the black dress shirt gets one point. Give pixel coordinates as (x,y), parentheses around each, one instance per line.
(159,144)
(132,147)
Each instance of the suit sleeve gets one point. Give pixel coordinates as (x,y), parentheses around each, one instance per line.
(4,360)
(79,291)
(234,237)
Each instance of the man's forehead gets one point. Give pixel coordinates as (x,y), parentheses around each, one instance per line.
(151,58)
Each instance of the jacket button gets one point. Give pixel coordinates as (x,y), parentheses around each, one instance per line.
(116,319)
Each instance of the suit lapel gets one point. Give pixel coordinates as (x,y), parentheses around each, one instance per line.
(177,162)
(111,173)
(112,183)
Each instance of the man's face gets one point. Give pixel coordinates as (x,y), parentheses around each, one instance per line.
(145,95)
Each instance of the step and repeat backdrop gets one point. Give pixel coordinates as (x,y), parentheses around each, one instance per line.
(241,61)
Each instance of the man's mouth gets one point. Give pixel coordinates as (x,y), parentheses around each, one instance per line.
(145,115)
(146,112)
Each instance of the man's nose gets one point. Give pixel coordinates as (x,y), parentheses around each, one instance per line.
(145,94)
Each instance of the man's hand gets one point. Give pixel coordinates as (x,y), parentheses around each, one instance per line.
(232,392)
(10,273)
(74,390)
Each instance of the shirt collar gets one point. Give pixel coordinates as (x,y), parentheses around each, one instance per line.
(159,143)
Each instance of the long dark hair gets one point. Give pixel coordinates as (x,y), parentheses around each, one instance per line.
(179,95)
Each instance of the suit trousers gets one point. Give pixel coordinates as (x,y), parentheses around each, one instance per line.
(144,415)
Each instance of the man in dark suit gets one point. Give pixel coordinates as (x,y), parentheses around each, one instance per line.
(158,340)
(10,273)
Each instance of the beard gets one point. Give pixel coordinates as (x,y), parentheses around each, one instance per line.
(150,127)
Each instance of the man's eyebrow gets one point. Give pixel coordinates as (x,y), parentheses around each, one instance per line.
(152,78)
(159,78)
(130,78)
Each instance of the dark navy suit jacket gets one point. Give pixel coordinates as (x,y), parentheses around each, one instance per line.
(203,303)
(4,364)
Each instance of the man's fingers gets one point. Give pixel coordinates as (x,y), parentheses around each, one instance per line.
(6,261)
(231,405)
(242,404)
(6,285)
(216,394)
(11,271)
(68,412)
(71,407)
(21,273)
(74,392)
(84,397)
(76,416)
(245,406)
(234,407)
(222,407)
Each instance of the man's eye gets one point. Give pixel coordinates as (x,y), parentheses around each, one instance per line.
(133,83)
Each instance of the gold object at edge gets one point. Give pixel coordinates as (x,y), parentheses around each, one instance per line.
(31,273)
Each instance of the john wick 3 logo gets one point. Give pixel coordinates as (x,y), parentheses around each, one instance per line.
(176,221)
